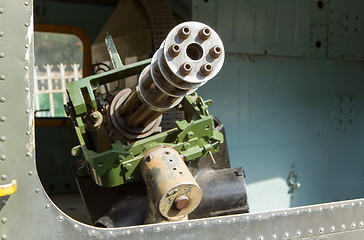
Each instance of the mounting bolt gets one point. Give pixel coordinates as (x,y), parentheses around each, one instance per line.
(181,202)
(95,116)
(184,32)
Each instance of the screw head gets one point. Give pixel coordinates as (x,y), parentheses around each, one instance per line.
(1,11)
(181,202)
(4,220)
(4,237)
(2,119)
(2,54)
(2,77)
(3,157)
(2,139)
(2,99)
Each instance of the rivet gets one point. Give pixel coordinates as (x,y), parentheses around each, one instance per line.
(4,237)
(26,24)
(76,225)
(2,77)
(27,111)
(361,224)
(30,173)
(247,218)
(3,202)
(2,54)
(285,213)
(273,215)
(60,218)
(286,235)
(3,177)
(27,133)
(234,219)
(27,89)
(128,232)
(310,231)
(26,68)
(360,203)
(37,190)
(93,231)
(27,45)
(353,225)
(320,208)
(332,228)
(158,229)
(261,238)
(2,139)
(110,233)
(48,206)
(260,216)
(1,33)
(174,227)
(26,3)
(3,157)
(141,230)
(343,227)
(2,119)
(2,99)
(1,11)
(220,221)
(27,154)
(274,237)
(298,234)
(321,230)
(3,220)
(190,225)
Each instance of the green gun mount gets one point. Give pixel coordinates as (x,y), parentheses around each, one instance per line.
(198,58)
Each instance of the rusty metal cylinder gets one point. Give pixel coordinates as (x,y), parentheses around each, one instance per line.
(171,186)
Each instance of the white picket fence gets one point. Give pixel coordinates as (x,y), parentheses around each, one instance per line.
(50,83)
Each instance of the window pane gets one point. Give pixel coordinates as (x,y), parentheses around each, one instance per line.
(58,60)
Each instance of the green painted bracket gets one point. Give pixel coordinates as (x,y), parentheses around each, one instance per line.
(81,92)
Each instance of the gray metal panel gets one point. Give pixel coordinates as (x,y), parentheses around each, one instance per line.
(280,27)
(284,111)
(346,30)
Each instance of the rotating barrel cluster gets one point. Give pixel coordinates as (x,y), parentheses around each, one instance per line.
(191,54)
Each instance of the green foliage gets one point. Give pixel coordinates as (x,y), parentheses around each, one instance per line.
(56,48)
